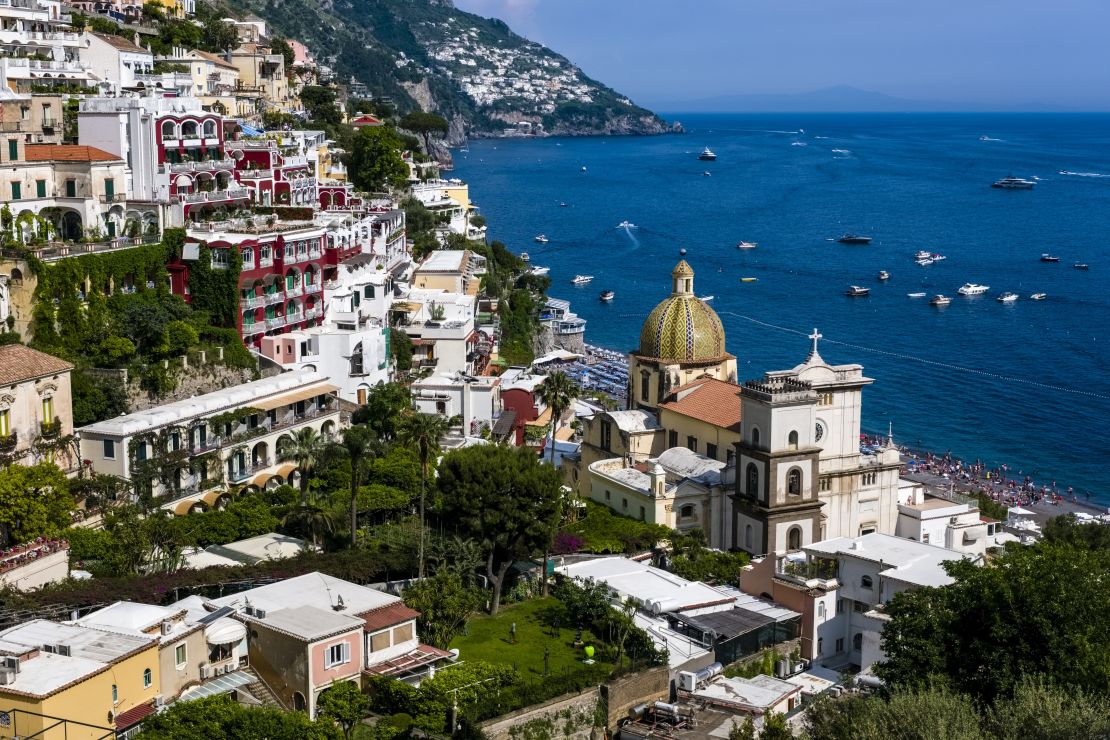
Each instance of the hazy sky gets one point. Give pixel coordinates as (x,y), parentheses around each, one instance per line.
(1055,52)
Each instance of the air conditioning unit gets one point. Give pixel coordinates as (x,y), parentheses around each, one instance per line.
(159,701)
(64,650)
(167,626)
(7,676)
(687,681)
(205,671)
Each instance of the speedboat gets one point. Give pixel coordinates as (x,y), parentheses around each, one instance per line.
(1046,257)
(937,257)
(707,155)
(583,168)
(884,275)
(626,225)
(749,280)
(539,271)
(524,257)
(940,300)
(746,245)
(856,291)
(923,254)
(1081,266)
(707,173)
(1038,296)
(925,261)
(854,239)
(705,298)
(1007,298)
(973,289)
(607,295)
(582,279)
(562,205)
(1014,183)
(542,239)
(916,295)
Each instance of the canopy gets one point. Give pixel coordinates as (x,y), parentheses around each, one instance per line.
(225,630)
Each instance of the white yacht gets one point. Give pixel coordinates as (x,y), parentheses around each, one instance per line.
(915,295)
(1038,296)
(707,155)
(940,300)
(705,298)
(524,257)
(1007,297)
(542,239)
(539,271)
(747,245)
(1014,183)
(582,279)
(626,225)
(973,289)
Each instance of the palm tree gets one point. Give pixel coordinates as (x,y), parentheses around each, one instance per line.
(422,432)
(558,391)
(309,518)
(304,450)
(361,447)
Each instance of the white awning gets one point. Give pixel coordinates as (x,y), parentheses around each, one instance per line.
(224,630)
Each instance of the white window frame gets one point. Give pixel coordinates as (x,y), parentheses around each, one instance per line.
(344,654)
(184,655)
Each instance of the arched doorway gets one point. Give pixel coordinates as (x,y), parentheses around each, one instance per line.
(299,704)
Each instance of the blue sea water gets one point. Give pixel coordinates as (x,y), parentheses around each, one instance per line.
(1027,384)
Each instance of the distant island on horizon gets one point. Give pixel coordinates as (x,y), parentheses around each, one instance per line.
(843,99)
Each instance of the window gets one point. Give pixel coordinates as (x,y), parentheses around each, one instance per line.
(748,538)
(792,441)
(624,504)
(818,431)
(869,479)
(71,188)
(672,438)
(794,538)
(752,477)
(17,191)
(48,409)
(860,607)
(867,530)
(755,436)
(179,654)
(643,514)
(368,291)
(402,633)
(711,451)
(13,149)
(147,680)
(686,511)
(794,482)
(865,582)
(645,385)
(168,130)
(379,641)
(826,483)
(140,451)
(840,644)
(925,537)
(5,423)
(109,449)
(607,495)
(109,189)
(338,654)
(840,608)
(820,645)
(248,257)
(40,188)
(115,693)
(606,435)
(824,399)
(857,641)
(820,610)
(692,444)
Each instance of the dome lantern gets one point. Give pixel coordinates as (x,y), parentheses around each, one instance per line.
(682,328)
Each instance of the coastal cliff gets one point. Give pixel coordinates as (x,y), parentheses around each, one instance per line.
(476,72)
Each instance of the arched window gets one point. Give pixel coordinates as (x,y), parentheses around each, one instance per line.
(209,129)
(146,678)
(792,441)
(248,257)
(686,511)
(752,477)
(865,582)
(169,130)
(189,130)
(820,610)
(857,641)
(748,538)
(755,436)
(356,361)
(794,538)
(645,385)
(794,482)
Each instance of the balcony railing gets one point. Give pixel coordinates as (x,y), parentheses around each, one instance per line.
(256,174)
(213,196)
(272,298)
(113,198)
(252,301)
(296,290)
(266,262)
(312,313)
(257,467)
(206,166)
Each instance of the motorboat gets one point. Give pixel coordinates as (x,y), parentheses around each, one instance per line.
(923,254)
(925,261)
(749,280)
(973,289)
(541,239)
(607,295)
(562,205)
(1007,298)
(539,271)
(856,291)
(707,155)
(1038,296)
(524,257)
(915,295)
(626,225)
(884,275)
(706,173)
(582,279)
(583,168)
(854,239)
(746,245)
(1081,266)
(1014,183)
(937,257)
(1046,257)
(940,300)
(705,298)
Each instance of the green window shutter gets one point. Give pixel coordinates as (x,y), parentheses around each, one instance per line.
(13,149)
(17,191)
(71,188)
(40,188)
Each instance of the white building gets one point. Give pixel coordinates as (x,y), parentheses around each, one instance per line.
(30,29)
(441,326)
(953,522)
(116,60)
(476,400)
(354,360)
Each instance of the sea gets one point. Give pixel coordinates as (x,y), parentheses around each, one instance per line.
(1026,384)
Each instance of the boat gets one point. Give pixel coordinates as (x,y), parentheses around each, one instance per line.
(607,295)
(937,257)
(707,155)
(915,295)
(746,245)
(854,239)
(1007,298)
(1014,183)
(1046,257)
(925,261)
(884,275)
(705,298)
(749,280)
(1081,266)
(626,225)
(582,279)
(855,291)
(940,300)
(1038,296)
(562,204)
(524,257)
(923,254)
(706,173)
(542,239)
(973,289)
(539,271)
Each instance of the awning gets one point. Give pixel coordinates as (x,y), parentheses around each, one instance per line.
(422,656)
(287,398)
(405,306)
(133,716)
(504,424)
(225,630)
(219,685)
(260,479)
(285,470)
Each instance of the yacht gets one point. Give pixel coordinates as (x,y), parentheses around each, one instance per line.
(583,168)
(938,257)
(524,257)
(539,271)
(1038,296)
(884,275)
(1081,266)
(607,295)
(1014,183)
(705,298)
(973,289)
(940,300)
(749,280)
(707,173)
(856,291)
(562,205)
(1007,298)
(925,261)
(707,155)
(915,295)
(746,245)
(923,254)
(1046,257)
(626,225)
(854,239)
(582,279)
(540,238)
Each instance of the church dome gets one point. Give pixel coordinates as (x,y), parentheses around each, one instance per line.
(683,328)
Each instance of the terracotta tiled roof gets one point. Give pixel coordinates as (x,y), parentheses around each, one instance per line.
(134,716)
(366,120)
(387,616)
(121,43)
(67,153)
(19,363)
(214,58)
(710,400)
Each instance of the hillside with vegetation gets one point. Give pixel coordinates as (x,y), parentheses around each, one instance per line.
(477,73)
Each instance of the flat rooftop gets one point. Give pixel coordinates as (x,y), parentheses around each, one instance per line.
(903,560)
(444,260)
(658,590)
(760,693)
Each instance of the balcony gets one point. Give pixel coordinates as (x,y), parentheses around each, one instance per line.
(275,323)
(210,165)
(266,262)
(252,302)
(313,313)
(215,196)
(811,573)
(113,198)
(292,292)
(256,174)
(236,476)
(9,443)
(50,429)
(272,298)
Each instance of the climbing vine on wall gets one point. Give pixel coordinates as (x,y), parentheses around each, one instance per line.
(216,289)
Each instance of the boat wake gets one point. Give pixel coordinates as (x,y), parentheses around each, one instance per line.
(1083,174)
(842,152)
(989,138)
(798,143)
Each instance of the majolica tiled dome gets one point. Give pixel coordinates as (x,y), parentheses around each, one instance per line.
(683,328)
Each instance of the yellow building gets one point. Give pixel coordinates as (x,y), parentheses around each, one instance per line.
(97,681)
(704,417)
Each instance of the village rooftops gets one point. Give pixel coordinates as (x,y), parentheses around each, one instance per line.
(46,672)
(758,695)
(272,390)
(707,399)
(67,153)
(636,477)
(634,420)
(684,464)
(521,378)
(140,620)
(907,561)
(18,364)
(120,43)
(658,590)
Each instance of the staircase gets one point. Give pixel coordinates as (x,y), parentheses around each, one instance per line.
(259,690)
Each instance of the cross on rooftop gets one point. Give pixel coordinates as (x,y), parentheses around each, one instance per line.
(815,336)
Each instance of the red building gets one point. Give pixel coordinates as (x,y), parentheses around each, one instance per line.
(190,147)
(518,395)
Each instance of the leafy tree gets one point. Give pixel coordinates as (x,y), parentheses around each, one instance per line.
(344,703)
(400,347)
(775,727)
(34,502)
(386,405)
(422,433)
(743,731)
(280,46)
(445,604)
(502,497)
(304,449)
(424,124)
(319,103)
(558,391)
(220,716)
(1041,710)
(220,35)
(96,398)
(376,159)
(361,448)
(309,519)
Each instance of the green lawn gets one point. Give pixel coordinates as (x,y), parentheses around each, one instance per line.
(487,639)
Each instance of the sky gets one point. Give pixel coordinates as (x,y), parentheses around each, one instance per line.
(997,52)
